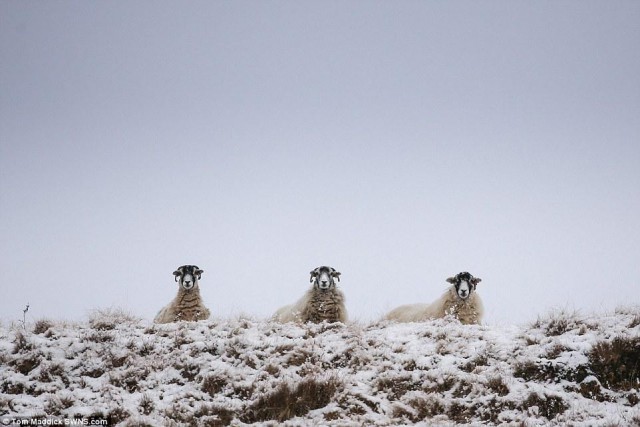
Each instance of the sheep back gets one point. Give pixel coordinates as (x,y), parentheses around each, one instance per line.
(288,313)
(409,313)
(469,311)
(187,306)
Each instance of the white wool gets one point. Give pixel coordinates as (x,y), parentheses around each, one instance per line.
(187,305)
(310,307)
(288,313)
(468,311)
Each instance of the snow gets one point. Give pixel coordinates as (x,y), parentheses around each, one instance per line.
(216,372)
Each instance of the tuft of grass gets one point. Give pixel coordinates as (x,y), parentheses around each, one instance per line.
(42,326)
(498,386)
(117,415)
(151,330)
(555,351)
(531,340)
(460,413)
(272,370)
(189,371)
(549,371)
(441,385)
(11,386)
(5,405)
(344,359)
(56,404)
(21,344)
(299,357)
(558,322)
(471,365)
(132,422)
(395,387)
(531,371)
(49,371)
(114,360)
(93,372)
(110,318)
(212,416)
(617,363)
(26,364)
(243,392)
(129,379)
(146,405)
(332,416)
(590,388)
(146,348)
(181,338)
(283,349)
(490,411)
(213,384)
(409,365)
(426,408)
(548,406)
(100,336)
(288,401)
(463,389)
(561,322)
(250,362)
(402,412)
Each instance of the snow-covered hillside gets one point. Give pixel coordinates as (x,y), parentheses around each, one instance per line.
(567,369)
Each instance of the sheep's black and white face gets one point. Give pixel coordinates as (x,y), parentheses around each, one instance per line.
(323,277)
(464,283)
(187,276)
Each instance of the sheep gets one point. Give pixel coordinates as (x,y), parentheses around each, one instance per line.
(323,302)
(187,305)
(460,300)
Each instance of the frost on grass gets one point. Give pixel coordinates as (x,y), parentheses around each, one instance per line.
(564,369)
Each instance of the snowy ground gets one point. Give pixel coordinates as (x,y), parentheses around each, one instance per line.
(563,369)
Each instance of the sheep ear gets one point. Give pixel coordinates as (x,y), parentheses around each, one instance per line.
(198,273)
(476,280)
(451,280)
(177,273)
(336,274)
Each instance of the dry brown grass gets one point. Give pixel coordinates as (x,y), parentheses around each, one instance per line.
(548,406)
(56,404)
(498,386)
(426,408)
(397,386)
(617,363)
(213,384)
(146,405)
(42,326)
(288,401)
(21,344)
(471,365)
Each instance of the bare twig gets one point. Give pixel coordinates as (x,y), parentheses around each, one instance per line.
(24,316)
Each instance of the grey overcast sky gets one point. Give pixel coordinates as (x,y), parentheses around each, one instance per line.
(399,142)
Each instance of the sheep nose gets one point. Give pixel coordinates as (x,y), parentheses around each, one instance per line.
(324,282)
(187,282)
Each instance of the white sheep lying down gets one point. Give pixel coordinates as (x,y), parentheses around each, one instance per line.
(460,301)
(323,302)
(187,305)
